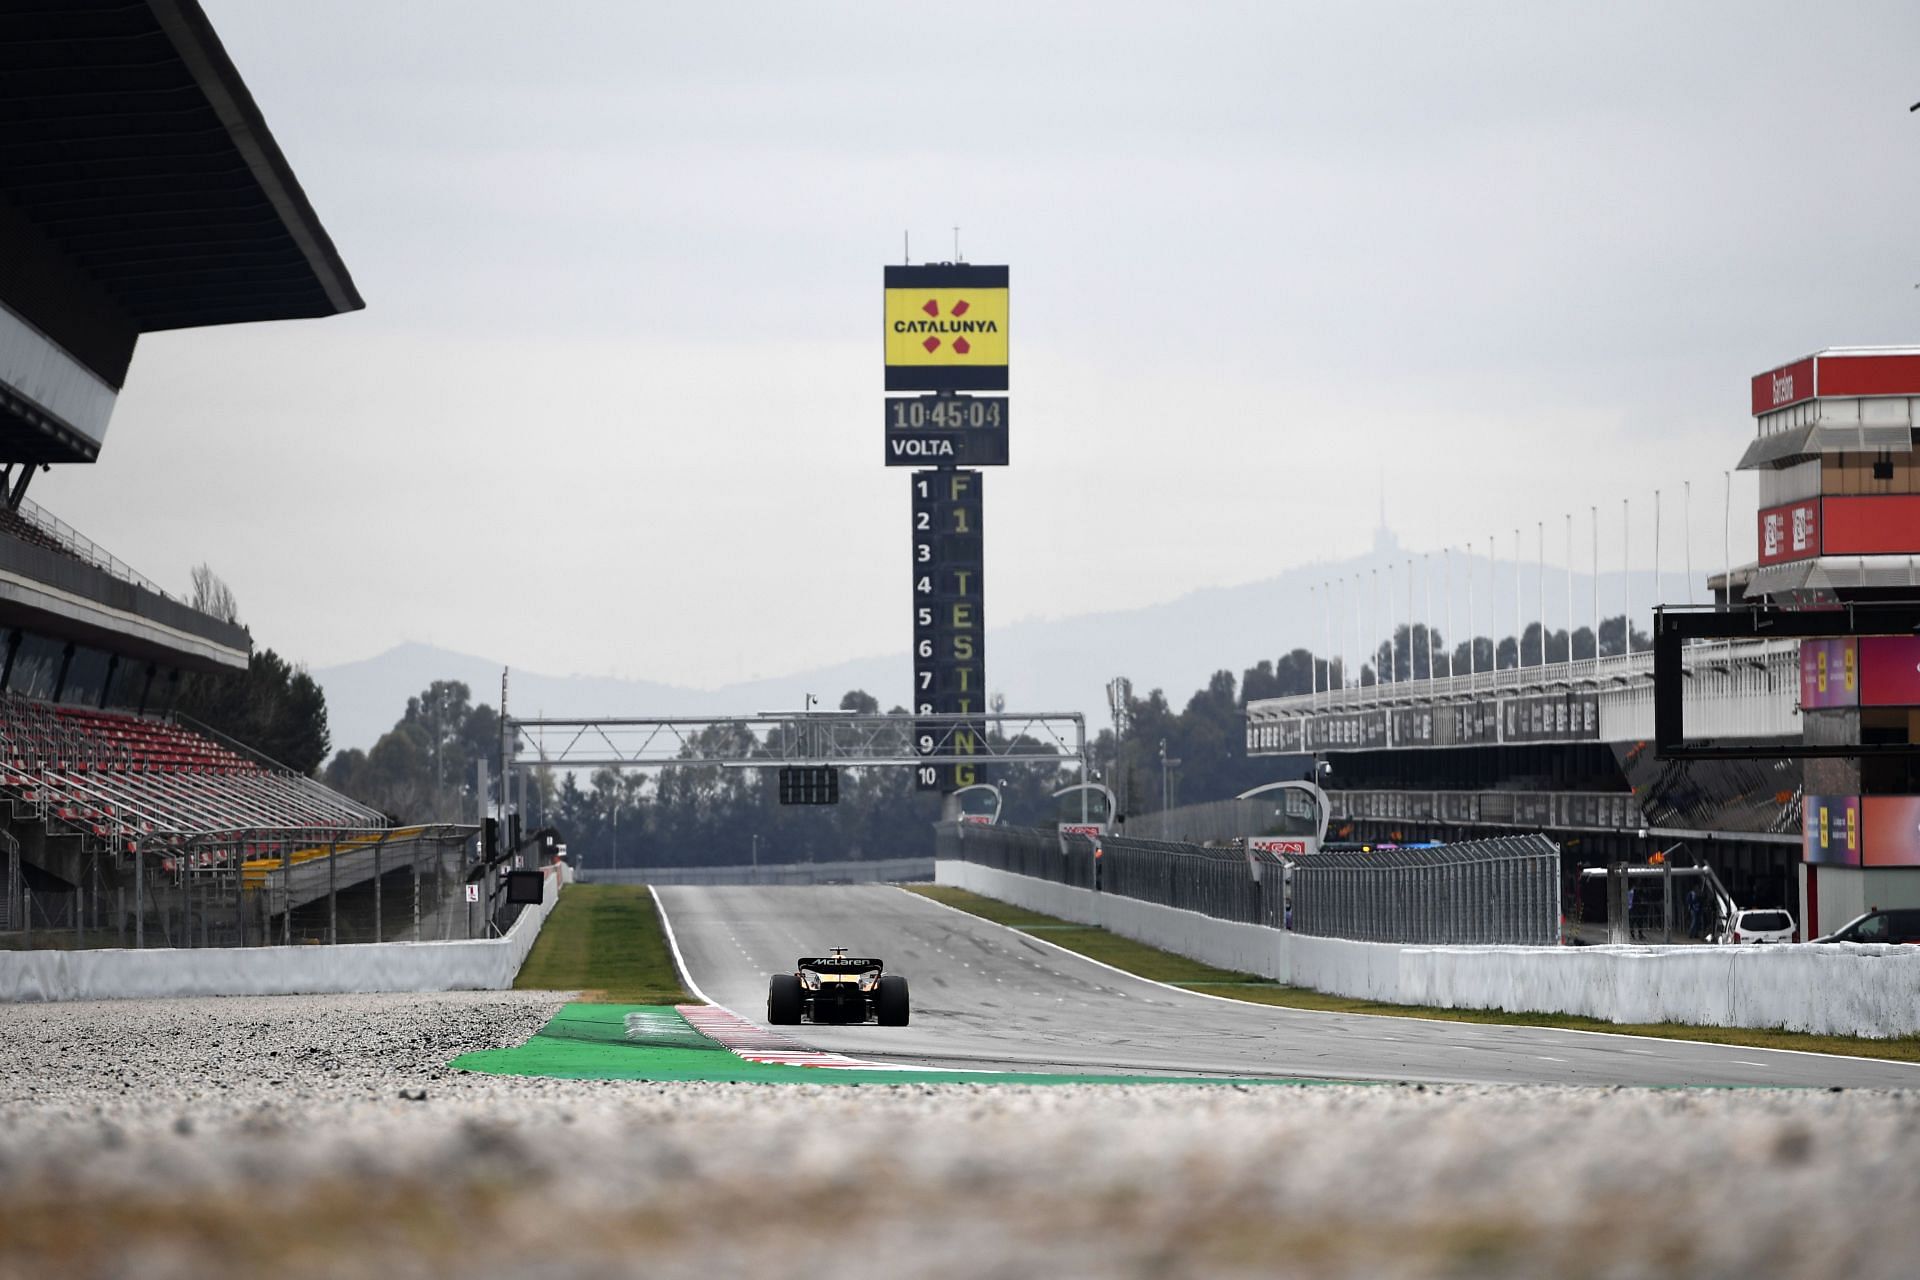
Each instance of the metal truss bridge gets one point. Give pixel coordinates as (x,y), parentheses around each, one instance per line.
(770,740)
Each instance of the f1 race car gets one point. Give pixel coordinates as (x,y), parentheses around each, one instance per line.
(837,988)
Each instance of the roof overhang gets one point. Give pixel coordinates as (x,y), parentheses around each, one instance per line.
(140,190)
(1810,440)
(131,142)
(1827,574)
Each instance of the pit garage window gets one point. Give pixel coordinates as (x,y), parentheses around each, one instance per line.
(127,689)
(36,666)
(86,677)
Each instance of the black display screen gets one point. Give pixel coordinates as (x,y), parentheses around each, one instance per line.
(949,616)
(946,431)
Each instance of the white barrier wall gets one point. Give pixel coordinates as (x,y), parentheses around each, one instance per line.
(481,964)
(1246,948)
(1839,990)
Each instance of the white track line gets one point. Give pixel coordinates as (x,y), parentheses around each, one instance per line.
(680,961)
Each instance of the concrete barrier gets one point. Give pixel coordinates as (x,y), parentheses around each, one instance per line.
(481,964)
(1828,989)
(1245,948)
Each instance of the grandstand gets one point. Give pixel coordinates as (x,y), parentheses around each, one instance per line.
(140,190)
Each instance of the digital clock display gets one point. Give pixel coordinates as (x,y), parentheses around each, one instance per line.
(947,413)
(946,431)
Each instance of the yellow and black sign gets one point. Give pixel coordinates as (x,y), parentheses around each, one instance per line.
(946,328)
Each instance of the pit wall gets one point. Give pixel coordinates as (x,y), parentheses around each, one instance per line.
(1828,989)
(480,964)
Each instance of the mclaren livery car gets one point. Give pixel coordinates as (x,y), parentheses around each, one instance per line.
(837,988)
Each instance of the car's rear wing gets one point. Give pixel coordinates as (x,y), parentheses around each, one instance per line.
(837,964)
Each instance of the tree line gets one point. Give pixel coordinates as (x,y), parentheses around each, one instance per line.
(273,707)
(426,767)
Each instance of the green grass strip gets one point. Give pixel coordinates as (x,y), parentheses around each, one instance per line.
(653,1042)
(1161,966)
(604,941)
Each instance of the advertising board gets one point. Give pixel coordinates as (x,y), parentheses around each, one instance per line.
(1837,375)
(1790,531)
(1551,717)
(1787,385)
(1470,724)
(1275,737)
(1829,674)
(1091,830)
(1890,831)
(1414,726)
(1881,524)
(1890,671)
(1831,830)
(1352,729)
(946,327)
(1867,373)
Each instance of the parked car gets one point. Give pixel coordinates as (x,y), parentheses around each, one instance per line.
(1900,925)
(1759,926)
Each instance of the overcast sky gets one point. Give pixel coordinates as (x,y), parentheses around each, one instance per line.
(612,405)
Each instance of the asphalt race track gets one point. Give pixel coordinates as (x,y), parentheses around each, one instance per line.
(987,998)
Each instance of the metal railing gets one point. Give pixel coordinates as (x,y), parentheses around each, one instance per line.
(1217,882)
(1753,684)
(1505,890)
(878,871)
(1024,851)
(81,547)
(10,899)
(259,888)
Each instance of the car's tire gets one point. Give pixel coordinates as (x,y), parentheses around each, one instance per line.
(892,1001)
(783,1000)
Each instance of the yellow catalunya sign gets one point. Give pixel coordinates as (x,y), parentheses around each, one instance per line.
(946,327)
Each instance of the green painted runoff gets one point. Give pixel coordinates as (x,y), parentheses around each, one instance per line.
(653,1042)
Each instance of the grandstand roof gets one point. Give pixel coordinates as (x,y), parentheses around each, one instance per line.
(129,141)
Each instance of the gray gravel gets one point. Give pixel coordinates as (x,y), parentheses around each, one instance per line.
(239,1137)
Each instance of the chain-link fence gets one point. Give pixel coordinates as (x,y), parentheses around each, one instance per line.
(1481,891)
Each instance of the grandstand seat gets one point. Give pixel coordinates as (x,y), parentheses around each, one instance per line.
(106,774)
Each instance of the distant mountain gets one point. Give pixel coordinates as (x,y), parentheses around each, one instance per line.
(1051,665)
